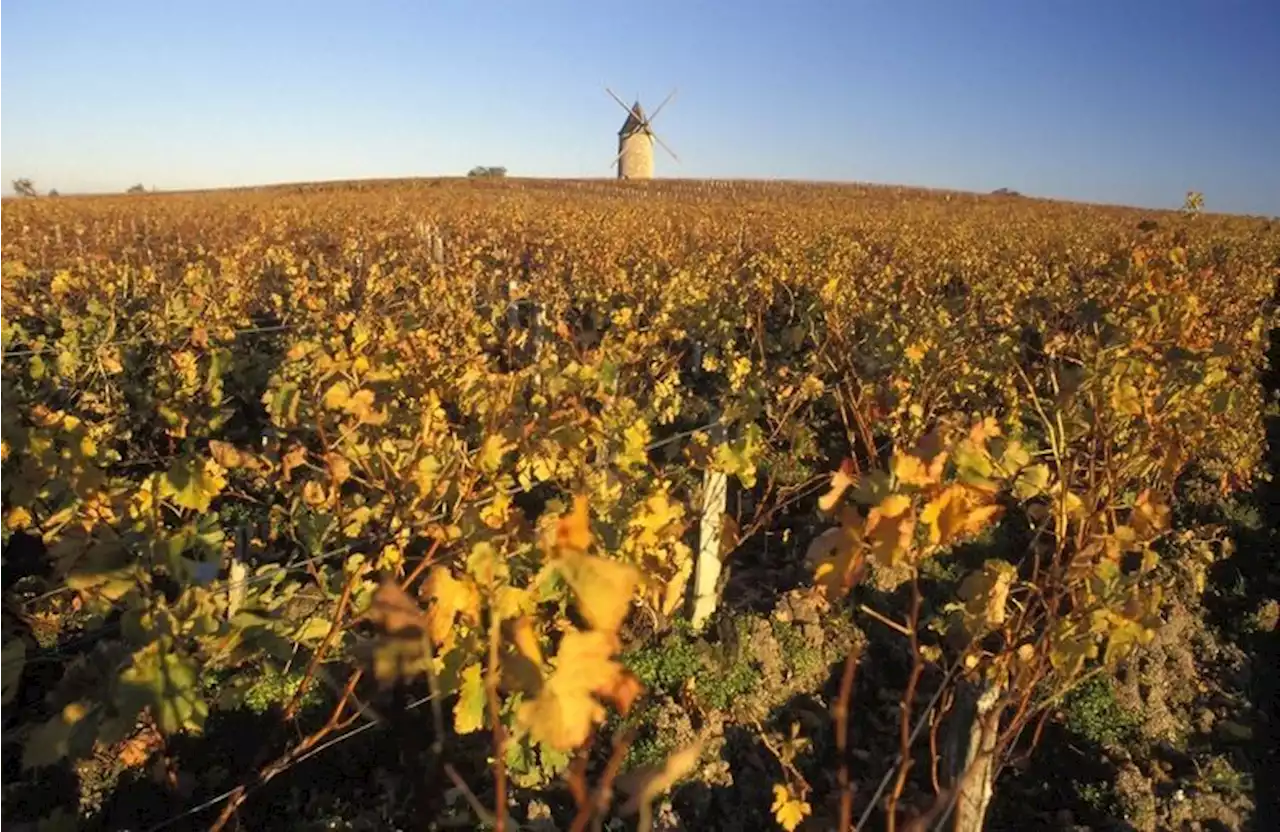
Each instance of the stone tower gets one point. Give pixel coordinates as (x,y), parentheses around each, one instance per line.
(636,140)
(635,146)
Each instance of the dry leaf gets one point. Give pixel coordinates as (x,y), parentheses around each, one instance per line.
(229,456)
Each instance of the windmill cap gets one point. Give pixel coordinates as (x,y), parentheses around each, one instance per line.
(635,120)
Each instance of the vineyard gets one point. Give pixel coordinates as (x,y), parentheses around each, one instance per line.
(671,505)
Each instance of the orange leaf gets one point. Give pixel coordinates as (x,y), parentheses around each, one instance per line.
(573,532)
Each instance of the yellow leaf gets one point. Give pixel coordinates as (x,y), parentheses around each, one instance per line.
(339,467)
(313,494)
(655,516)
(568,706)
(360,405)
(1150,515)
(841,480)
(788,809)
(986,594)
(673,592)
(391,558)
(911,470)
(492,452)
(293,458)
(229,456)
(512,602)
(603,588)
(425,475)
(17,519)
(890,528)
(960,511)
(195,484)
(635,451)
(336,397)
(468,713)
(838,560)
(494,515)
(449,597)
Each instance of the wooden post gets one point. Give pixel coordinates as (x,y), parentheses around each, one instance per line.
(969,753)
(527,316)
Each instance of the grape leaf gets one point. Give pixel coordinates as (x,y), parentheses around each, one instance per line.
(468,713)
(568,706)
(788,809)
(194,483)
(603,588)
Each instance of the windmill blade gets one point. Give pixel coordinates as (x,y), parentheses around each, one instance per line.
(617,99)
(654,114)
(664,145)
(616,158)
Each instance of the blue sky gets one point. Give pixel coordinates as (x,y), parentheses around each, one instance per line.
(1128,101)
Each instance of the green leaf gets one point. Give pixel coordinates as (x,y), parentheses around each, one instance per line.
(972,463)
(1031,482)
(282,404)
(165,682)
(316,628)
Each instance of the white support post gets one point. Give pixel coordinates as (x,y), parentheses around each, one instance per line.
(706,569)
(237,578)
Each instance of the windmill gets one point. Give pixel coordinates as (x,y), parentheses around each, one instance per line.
(636,138)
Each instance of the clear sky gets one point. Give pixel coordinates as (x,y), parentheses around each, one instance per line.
(1128,101)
